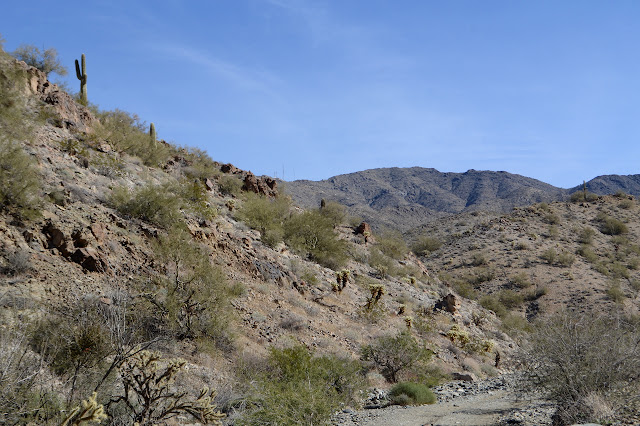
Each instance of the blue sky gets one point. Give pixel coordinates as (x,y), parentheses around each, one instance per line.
(309,89)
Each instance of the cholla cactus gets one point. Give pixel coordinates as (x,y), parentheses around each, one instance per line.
(342,278)
(401,309)
(408,320)
(89,411)
(150,394)
(377,291)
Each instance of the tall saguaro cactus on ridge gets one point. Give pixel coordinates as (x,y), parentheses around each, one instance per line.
(82,76)
(152,134)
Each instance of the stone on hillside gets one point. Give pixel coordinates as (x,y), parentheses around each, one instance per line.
(228,168)
(89,259)
(209,184)
(449,303)
(466,377)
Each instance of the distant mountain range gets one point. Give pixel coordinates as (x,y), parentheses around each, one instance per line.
(403,198)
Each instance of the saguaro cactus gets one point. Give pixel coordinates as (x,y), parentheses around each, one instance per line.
(152,134)
(82,76)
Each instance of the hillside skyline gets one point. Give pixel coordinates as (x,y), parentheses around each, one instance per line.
(312,89)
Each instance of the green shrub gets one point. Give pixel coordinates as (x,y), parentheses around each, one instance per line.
(510,299)
(549,256)
(611,226)
(585,235)
(395,354)
(265,214)
(588,254)
(46,61)
(299,388)
(464,289)
(335,212)
(126,133)
(479,259)
(230,185)
(19,181)
(392,245)
(383,264)
(408,393)
(619,270)
(520,280)
(492,303)
(580,196)
(615,293)
(152,203)
(426,245)
(566,259)
(312,235)
(191,295)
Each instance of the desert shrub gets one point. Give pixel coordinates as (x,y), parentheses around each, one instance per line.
(265,214)
(478,259)
(312,235)
(615,293)
(297,387)
(549,255)
(581,196)
(585,235)
(520,280)
(392,244)
(383,264)
(426,245)
(492,303)
(573,357)
(191,294)
(510,299)
(335,212)
(16,263)
(195,199)
(199,166)
(230,185)
(395,354)
(408,393)
(626,204)
(619,270)
(465,289)
(126,133)
(535,294)
(151,203)
(588,254)
(514,324)
(552,219)
(46,61)
(19,180)
(610,225)
(566,259)
(25,396)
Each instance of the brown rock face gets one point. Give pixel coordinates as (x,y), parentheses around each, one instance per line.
(449,303)
(364,229)
(264,185)
(71,114)
(89,259)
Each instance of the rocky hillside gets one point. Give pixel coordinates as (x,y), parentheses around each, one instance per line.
(403,198)
(113,244)
(543,258)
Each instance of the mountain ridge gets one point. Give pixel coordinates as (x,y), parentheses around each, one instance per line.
(403,198)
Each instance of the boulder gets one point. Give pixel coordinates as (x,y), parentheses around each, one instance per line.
(89,259)
(449,303)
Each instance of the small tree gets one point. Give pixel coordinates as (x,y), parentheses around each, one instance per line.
(46,61)
(393,354)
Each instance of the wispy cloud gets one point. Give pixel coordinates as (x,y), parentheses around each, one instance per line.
(243,78)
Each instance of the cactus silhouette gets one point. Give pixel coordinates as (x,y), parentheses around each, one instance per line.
(82,76)
(152,134)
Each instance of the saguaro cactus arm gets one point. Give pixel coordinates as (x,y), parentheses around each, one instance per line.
(81,73)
